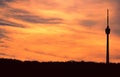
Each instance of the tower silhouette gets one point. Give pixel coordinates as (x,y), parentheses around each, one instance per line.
(107,31)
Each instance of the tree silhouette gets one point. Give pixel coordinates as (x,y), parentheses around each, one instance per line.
(16,68)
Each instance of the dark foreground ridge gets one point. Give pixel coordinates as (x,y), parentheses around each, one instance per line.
(16,68)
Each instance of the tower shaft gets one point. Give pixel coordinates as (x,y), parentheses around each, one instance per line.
(107,30)
(107,50)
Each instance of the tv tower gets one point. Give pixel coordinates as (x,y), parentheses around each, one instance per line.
(107,31)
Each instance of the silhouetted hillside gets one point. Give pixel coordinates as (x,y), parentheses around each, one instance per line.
(16,68)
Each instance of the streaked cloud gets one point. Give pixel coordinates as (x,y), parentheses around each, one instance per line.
(2,33)
(9,23)
(3,3)
(88,23)
(116,18)
(31,18)
(36,19)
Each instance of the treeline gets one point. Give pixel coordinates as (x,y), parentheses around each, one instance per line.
(16,68)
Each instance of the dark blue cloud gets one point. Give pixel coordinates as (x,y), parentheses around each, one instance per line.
(115,20)
(3,3)
(26,16)
(17,11)
(3,33)
(117,13)
(36,19)
(3,36)
(88,23)
(9,23)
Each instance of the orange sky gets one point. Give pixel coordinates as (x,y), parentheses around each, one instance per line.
(58,30)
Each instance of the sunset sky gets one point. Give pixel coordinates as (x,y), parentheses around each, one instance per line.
(58,30)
